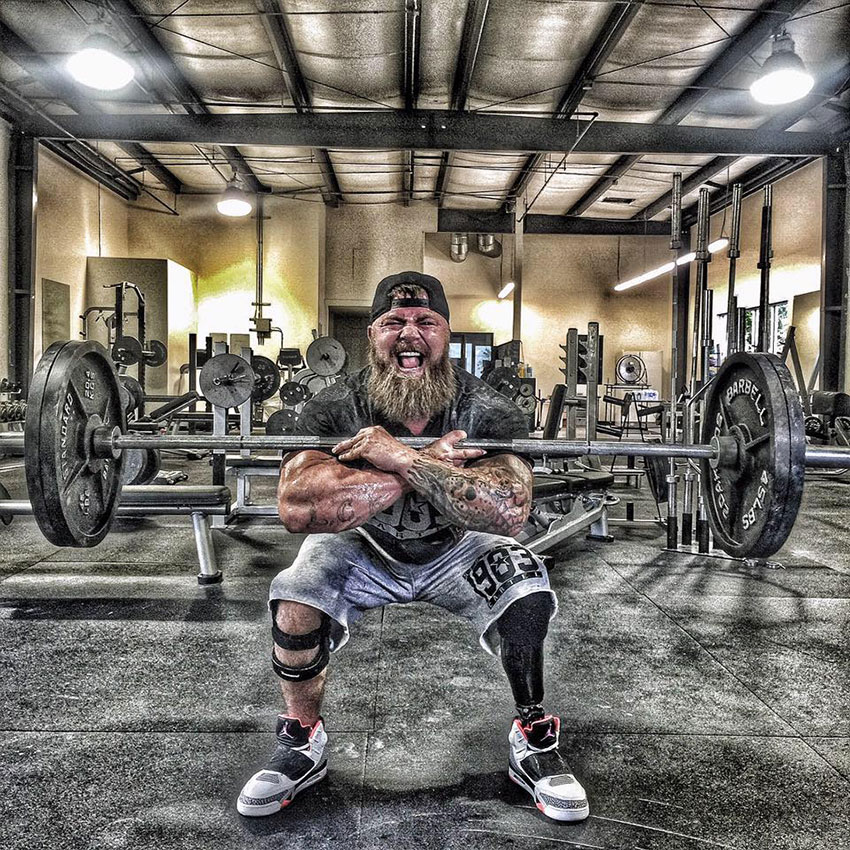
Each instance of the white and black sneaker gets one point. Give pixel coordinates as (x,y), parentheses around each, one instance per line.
(298,762)
(535,763)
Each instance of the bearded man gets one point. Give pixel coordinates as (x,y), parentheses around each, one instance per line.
(387,523)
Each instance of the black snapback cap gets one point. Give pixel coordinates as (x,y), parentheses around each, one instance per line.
(436,300)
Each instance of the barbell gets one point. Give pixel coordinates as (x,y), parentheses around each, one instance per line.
(752,458)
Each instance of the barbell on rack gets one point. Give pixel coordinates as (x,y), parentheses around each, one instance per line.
(753,453)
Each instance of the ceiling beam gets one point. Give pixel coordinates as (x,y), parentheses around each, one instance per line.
(168,74)
(287,57)
(470,221)
(59,85)
(757,30)
(606,40)
(828,88)
(411,65)
(473,29)
(431,130)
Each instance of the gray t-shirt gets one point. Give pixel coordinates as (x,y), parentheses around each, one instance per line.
(412,530)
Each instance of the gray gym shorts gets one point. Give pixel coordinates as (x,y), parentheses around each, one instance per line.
(347,573)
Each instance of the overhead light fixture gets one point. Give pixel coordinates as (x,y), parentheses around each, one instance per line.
(234,201)
(783,77)
(714,247)
(99,64)
(506,290)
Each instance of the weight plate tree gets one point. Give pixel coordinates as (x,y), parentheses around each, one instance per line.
(75,441)
(73,493)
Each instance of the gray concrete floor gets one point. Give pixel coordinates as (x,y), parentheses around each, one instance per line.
(704,703)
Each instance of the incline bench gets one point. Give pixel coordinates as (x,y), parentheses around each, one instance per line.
(198,502)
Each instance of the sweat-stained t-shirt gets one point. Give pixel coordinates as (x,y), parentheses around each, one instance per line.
(412,530)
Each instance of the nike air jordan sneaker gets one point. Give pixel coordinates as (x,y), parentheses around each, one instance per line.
(299,761)
(535,764)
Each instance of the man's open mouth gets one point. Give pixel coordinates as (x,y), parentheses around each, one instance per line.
(410,359)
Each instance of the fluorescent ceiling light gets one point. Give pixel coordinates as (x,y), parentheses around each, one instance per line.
(717,245)
(506,290)
(783,77)
(99,64)
(234,202)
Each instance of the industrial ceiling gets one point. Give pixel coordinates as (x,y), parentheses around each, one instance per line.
(466,75)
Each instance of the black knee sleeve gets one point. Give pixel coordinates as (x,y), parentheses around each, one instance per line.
(317,639)
(522,629)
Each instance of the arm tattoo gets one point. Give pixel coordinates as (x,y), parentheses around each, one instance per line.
(493,496)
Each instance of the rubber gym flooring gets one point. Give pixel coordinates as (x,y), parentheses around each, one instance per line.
(704,702)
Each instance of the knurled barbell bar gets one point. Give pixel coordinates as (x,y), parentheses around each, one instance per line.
(753,456)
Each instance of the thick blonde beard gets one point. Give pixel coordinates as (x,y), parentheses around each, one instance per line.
(401,399)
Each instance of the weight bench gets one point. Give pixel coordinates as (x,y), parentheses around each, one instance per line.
(563,504)
(144,500)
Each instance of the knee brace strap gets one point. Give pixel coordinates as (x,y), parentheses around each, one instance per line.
(317,638)
(310,640)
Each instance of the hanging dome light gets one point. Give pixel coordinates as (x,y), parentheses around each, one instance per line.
(99,64)
(234,201)
(783,77)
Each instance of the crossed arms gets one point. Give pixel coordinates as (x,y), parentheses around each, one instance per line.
(317,493)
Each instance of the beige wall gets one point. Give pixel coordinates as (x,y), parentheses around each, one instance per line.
(76,219)
(223,252)
(366,243)
(796,264)
(568,281)
(310,250)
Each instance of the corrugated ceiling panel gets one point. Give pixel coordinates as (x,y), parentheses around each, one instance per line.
(224,55)
(369,176)
(530,51)
(640,92)
(350,50)
(442,27)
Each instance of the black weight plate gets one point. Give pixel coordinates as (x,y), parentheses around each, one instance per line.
(753,504)
(282,422)
(5,518)
(656,475)
(152,465)
(526,403)
(505,380)
(267,378)
(131,392)
(293,394)
(226,380)
(126,351)
(158,354)
(326,356)
(526,389)
(73,494)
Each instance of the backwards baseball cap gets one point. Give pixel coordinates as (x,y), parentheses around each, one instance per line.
(434,299)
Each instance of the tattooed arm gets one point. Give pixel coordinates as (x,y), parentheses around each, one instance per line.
(318,494)
(491,495)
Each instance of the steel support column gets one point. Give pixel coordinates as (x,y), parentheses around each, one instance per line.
(834,271)
(683,284)
(23,180)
